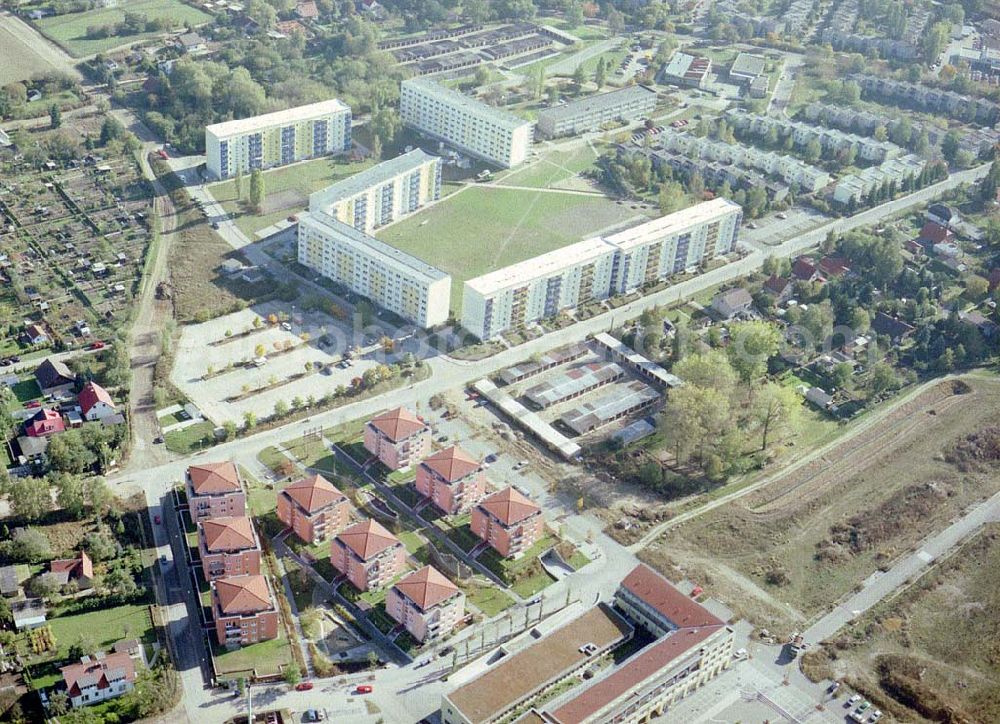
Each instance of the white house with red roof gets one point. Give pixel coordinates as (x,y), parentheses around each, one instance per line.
(398,438)
(451,479)
(98,678)
(426,603)
(95,402)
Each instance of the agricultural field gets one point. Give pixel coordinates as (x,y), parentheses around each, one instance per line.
(511,225)
(286,189)
(20,60)
(781,554)
(921,656)
(70,30)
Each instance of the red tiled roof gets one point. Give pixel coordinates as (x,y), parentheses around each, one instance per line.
(313,494)
(452,463)
(397,424)
(833,266)
(367,539)
(657,591)
(98,672)
(426,588)
(307,9)
(803,269)
(79,567)
(91,394)
(776,284)
(45,422)
(228,534)
(935,233)
(243,594)
(214,478)
(509,506)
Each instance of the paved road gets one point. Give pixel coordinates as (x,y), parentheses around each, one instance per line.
(568,65)
(880,585)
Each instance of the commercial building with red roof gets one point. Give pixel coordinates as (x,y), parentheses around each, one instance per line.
(398,438)
(452,479)
(228,547)
(215,490)
(508,521)
(244,610)
(368,554)
(95,402)
(314,509)
(45,423)
(426,603)
(98,678)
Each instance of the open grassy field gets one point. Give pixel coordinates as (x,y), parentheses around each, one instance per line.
(70,30)
(266,657)
(286,191)
(785,552)
(483,228)
(931,653)
(558,169)
(20,60)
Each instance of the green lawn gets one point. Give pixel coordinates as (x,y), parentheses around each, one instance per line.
(489,600)
(190,439)
(103,627)
(25,391)
(552,169)
(70,30)
(287,190)
(530,585)
(267,657)
(509,226)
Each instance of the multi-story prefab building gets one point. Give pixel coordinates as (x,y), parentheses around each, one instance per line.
(468,125)
(597,268)
(589,114)
(393,279)
(426,603)
(382,194)
(277,139)
(537,288)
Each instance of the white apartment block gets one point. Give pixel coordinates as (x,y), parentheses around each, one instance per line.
(403,284)
(277,139)
(856,186)
(475,128)
(597,268)
(589,114)
(382,194)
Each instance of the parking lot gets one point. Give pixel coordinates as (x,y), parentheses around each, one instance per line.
(773,230)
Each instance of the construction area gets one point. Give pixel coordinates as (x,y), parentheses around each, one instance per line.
(809,536)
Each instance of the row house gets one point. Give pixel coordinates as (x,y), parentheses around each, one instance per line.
(368,555)
(313,509)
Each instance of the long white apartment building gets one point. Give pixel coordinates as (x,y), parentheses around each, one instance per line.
(383,193)
(475,128)
(277,139)
(600,267)
(395,280)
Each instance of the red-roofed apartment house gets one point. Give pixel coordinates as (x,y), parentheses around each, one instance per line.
(508,521)
(244,611)
(95,402)
(426,603)
(368,554)
(452,479)
(692,647)
(98,678)
(214,490)
(398,438)
(313,508)
(228,547)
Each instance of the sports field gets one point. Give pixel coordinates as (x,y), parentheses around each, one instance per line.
(70,30)
(482,228)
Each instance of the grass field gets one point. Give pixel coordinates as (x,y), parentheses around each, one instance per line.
(553,170)
(266,657)
(785,552)
(929,642)
(20,61)
(287,187)
(190,439)
(484,228)
(70,30)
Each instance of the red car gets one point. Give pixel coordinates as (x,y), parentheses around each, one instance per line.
(97,345)
(33,403)
(363,689)
(304,686)
(162,153)
(156,519)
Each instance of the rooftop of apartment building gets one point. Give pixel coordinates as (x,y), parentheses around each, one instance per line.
(243,594)
(227,129)
(367,539)
(228,534)
(313,493)
(540,266)
(509,506)
(426,588)
(452,463)
(398,424)
(378,174)
(671,224)
(601,101)
(214,478)
(464,102)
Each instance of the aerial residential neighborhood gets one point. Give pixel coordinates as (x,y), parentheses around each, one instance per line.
(499,362)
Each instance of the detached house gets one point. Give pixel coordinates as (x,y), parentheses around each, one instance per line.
(426,603)
(508,522)
(368,555)
(79,570)
(45,423)
(228,547)
(95,403)
(398,438)
(98,678)
(54,377)
(313,508)
(452,480)
(215,490)
(244,610)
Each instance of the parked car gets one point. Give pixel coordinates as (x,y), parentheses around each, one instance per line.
(491,458)
(157,519)
(834,687)
(854,700)
(363,689)
(304,686)
(96,345)
(876,715)
(286,326)
(158,440)
(33,404)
